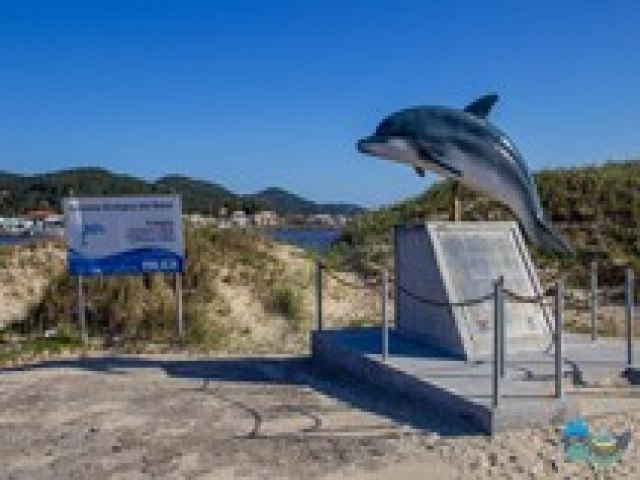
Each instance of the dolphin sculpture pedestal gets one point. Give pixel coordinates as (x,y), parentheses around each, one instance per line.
(451,262)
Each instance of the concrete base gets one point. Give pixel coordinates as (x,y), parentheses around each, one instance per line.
(440,381)
(453,262)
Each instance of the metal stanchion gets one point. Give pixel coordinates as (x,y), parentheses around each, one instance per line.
(557,336)
(82,312)
(503,346)
(179,319)
(385,320)
(594,300)
(629,296)
(319,296)
(497,320)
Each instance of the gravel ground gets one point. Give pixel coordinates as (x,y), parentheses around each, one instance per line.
(175,417)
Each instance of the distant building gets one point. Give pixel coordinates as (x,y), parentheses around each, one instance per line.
(53,225)
(199,220)
(16,226)
(240,218)
(194,218)
(266,218)
(321,219)
(223,223)
(341,220)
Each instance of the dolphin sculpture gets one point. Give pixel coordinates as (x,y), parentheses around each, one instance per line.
(463,145)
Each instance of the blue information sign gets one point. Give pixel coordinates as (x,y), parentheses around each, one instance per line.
(124,235)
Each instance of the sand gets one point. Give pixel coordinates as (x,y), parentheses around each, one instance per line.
(143,417)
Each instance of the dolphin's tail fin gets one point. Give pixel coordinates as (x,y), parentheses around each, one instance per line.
(546,238)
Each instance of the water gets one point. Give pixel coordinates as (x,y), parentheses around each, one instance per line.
(318,240)
(14,239)
(23,239)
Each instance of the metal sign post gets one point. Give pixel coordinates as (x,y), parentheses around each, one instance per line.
(319,296)
(82,312)
(559,311)
(385,319)
(497,327)
(179,319)
(503,346)
(629,314)
(594,300)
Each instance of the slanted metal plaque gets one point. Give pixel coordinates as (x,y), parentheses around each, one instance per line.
(468,258)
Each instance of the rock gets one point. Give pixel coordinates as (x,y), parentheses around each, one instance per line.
(430,441)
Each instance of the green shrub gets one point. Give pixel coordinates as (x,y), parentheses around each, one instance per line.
(286,301)
(38,346)
(53,344)
(203,330)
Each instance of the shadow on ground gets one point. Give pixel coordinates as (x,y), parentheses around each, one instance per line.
(292,371)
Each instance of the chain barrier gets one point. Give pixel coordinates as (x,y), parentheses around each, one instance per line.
(409,293)
(439,303)
(577,305)
(548,292)
(364,286)
(535,299)
(609,290)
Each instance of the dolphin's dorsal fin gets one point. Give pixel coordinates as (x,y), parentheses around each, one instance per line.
(482,106)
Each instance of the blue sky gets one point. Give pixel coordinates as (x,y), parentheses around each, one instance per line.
(252,94)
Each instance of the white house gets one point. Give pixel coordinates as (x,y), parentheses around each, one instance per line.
(239,218)
(266,218)
(53,225)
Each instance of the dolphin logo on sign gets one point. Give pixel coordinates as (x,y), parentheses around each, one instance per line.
(91,229)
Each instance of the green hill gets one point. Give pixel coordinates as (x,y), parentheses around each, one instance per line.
(596,208)
(289,203)
(21,193)
(202,196)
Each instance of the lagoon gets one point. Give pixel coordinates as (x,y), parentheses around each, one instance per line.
(317,240)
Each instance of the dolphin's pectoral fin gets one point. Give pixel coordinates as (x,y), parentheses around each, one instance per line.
(435,155)
(419,171)
(482,106)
